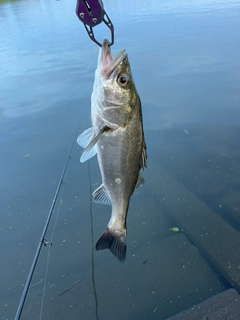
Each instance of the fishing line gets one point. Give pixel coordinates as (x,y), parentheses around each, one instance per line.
(91,224)
(42,238)
(44,283)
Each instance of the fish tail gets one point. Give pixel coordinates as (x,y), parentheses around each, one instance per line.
(115,243)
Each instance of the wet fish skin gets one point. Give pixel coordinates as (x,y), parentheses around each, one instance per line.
(118,139)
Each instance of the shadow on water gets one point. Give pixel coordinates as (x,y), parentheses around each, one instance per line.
(163,274)
(206,161)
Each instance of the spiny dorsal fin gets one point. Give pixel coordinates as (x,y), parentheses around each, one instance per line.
(144,155)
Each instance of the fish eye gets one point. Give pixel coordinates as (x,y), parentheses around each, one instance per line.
(123,80)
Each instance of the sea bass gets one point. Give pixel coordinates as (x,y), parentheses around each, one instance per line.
(117,138)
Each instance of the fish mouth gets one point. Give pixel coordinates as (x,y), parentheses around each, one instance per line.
(107,61)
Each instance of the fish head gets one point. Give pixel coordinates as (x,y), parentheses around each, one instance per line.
(117,94)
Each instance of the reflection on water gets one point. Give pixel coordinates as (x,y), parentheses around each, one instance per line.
(185,62)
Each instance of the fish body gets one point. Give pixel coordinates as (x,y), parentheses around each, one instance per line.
(117,138)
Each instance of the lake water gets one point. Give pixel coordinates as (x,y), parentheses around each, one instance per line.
(185,61)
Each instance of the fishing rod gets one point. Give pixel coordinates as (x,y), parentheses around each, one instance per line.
(42,238)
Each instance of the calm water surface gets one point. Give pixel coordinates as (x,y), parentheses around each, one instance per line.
(185,61)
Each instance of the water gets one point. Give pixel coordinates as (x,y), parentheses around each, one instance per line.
(185,61)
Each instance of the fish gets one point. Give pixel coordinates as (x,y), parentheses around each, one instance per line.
(117,137)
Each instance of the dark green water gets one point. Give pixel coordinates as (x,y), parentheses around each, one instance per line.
(185,61)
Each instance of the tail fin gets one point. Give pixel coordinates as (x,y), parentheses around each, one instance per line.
(116,244)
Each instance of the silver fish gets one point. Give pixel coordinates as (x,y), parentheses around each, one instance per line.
(117,138)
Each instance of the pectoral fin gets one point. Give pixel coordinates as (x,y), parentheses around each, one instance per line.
(88,140)
(84,139)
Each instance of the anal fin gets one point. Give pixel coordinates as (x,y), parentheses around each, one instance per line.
(100,196)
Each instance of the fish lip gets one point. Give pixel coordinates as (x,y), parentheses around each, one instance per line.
(108,62)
